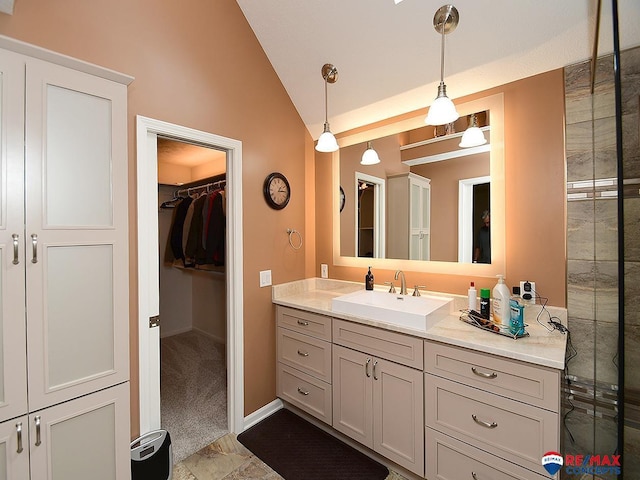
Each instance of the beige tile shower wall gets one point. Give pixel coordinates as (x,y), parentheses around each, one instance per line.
(592,235)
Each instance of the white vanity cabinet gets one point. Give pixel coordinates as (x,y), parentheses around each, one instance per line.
(501,415)
(409,232)
(64,360)
(303,375)
(377,401)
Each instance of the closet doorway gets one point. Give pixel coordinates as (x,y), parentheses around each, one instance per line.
(201,306)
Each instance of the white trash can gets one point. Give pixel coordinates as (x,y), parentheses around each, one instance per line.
(152,456)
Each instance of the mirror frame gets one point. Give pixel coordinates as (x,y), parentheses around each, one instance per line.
(495,105)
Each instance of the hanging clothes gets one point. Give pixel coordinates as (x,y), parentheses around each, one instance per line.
(177,228)
(215,231)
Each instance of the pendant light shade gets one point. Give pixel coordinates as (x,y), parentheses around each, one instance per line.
(472,136)
(370,156)
(442,110)
(327,142)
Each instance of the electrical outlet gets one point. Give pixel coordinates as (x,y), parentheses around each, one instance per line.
(324,270)
(265,278)
(528,292)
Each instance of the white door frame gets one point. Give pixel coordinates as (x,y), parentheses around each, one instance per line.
(147,131)
(379,203)
(465,216)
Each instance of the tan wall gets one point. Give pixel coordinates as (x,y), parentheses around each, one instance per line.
(535,194)
(199,64)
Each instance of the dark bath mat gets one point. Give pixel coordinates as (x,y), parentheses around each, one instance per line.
(298,450)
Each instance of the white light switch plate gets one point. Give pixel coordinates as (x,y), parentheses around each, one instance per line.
(265,278)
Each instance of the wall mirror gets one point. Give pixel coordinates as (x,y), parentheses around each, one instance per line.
(435,194)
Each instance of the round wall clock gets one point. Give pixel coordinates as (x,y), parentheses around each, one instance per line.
(277,191)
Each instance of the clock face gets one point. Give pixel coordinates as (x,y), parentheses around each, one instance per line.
(277,191)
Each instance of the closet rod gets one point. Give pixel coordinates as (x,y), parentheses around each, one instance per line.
(206,185)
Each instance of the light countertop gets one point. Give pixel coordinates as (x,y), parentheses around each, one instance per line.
(542,347)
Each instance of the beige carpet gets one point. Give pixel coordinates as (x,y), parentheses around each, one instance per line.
(193,388)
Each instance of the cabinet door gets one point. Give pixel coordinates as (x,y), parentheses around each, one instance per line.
(76,227)
(83,438)
(14,449)
(13,366)
(352,390)
(398,414)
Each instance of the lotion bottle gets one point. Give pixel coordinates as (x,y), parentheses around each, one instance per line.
(472,296)
(500,305)
(368,280)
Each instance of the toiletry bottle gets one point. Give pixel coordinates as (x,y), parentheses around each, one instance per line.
(472,296)
(368,280)
(500,306)
(485,302)
(516,326)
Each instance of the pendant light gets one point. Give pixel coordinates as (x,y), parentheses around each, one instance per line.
(327,142)
(472,136)
(442,110)
(370,156)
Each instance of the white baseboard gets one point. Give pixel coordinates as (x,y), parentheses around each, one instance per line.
(262,413)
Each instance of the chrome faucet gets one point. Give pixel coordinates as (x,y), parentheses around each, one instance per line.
(403,282)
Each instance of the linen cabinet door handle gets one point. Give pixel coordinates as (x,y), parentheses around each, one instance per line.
(16,238)
(484,424)
(375,377)
(366,368)
(484,375)
(473,475)
(19,434)
(38,439)
(34,244)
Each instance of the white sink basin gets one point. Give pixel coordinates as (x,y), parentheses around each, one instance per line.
(403,310)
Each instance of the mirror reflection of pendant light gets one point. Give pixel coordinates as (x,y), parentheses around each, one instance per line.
(472,136)
(442,110)
(327,142)
(370,156)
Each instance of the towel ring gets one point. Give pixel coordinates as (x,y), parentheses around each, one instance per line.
(291,232)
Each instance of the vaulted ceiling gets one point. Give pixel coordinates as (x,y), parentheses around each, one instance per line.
(388,55)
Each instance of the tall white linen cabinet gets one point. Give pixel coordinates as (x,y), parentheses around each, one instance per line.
(64,317)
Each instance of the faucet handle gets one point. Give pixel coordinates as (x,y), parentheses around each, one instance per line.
(416,292)
(392,289)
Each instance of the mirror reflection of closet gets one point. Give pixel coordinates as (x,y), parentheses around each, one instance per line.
(193,371)
(370,216)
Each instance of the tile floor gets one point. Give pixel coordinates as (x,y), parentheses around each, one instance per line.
(228,459)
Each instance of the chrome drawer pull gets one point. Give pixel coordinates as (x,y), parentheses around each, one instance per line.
(16,260)
(19,432)
(473,474)
(303,392)
(304,324)
(303,354)
(366,368)
(484,424)
(375,377)
(484,375)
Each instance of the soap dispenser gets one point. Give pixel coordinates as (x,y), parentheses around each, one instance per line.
(368,280)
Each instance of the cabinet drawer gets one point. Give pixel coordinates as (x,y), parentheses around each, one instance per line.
(318,326)
(305,392)
(309,354)
(393,346)
(537,386)
(450,459)
(515,431)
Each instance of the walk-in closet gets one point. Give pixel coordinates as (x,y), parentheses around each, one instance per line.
(193,283)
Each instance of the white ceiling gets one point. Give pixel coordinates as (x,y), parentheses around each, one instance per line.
(388,56)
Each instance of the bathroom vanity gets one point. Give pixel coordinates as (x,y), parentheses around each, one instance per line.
(444,400)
